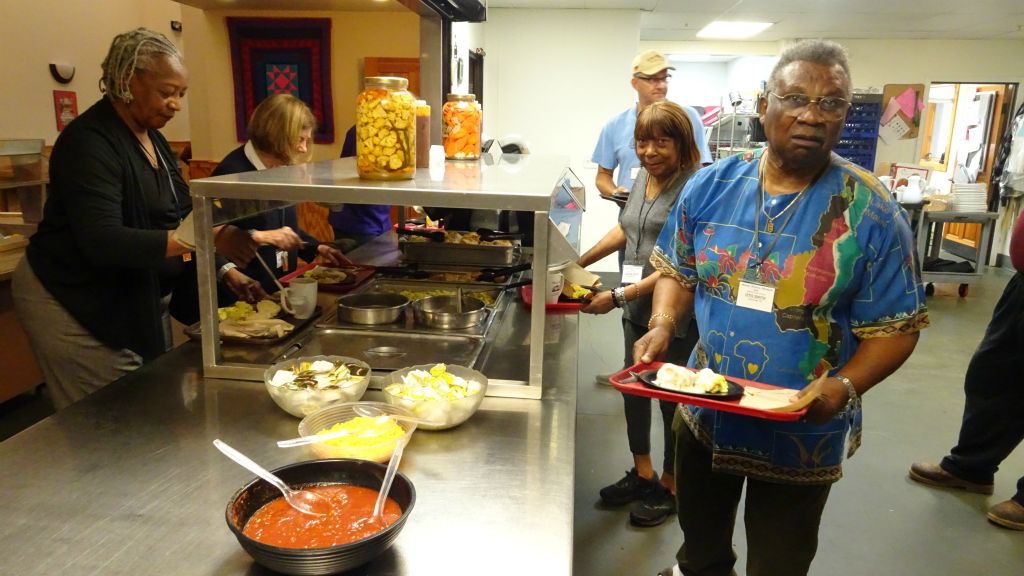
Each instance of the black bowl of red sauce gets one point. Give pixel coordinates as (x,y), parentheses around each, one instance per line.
(331,559)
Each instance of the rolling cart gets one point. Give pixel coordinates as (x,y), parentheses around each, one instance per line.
(929,243)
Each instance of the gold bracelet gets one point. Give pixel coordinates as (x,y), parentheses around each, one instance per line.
(650,323)
(637,287)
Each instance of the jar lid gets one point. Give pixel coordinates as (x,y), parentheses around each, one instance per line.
(393,82)
(462,97)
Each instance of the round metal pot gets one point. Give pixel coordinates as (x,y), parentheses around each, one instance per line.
(371,307)
(439,312)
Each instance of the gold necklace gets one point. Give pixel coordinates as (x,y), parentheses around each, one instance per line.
(149,155)
(770,227)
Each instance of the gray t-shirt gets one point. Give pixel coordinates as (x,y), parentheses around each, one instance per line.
(642,220)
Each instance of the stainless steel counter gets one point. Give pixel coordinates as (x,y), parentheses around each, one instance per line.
(127,482)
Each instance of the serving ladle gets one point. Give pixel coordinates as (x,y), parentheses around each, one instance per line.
(302,500)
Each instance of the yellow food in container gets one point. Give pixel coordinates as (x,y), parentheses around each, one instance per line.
(386,130)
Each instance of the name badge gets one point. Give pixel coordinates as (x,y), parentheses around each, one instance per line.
(632,273)
(282,260)
(755,296)
(634,172)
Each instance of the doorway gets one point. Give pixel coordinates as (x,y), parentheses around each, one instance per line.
(964,125)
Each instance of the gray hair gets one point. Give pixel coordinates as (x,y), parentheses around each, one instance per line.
(129,52)
(824,52)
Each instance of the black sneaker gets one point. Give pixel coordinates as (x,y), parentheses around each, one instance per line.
(654,509)
(630,488)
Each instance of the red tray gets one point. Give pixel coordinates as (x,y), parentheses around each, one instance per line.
(362,274)
(527,293)
(637,388)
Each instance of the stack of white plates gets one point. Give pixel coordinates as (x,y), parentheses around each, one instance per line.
(970,197)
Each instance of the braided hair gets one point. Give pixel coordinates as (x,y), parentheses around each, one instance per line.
(129,52)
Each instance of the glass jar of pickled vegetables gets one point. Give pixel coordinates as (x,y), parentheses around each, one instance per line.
(386,129)
(461,117)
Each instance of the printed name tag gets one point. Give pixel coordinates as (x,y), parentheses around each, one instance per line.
(634,172)
(631,273)
(755,296)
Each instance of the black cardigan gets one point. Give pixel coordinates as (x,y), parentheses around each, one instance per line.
(100,247)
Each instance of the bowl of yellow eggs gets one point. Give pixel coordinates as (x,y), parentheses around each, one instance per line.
(444,394)
(356,436)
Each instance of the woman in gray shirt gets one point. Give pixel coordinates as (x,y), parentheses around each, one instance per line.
(668,157)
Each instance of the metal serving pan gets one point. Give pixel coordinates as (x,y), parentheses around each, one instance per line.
(464,254)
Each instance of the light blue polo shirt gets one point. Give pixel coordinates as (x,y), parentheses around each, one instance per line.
(616,148)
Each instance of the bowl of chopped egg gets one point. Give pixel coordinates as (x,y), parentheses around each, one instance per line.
(301,386)
(369,437)
(445,394)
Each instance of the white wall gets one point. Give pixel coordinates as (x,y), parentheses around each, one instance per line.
(78,32)
(556,77)
(698,83)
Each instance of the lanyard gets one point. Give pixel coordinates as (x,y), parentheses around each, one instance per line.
(641,218)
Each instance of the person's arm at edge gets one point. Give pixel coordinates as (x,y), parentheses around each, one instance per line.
(605,182)
(1017,244)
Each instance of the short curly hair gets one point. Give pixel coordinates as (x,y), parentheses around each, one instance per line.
(130,52)
(824,52)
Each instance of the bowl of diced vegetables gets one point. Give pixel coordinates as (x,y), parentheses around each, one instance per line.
(301,386)
(368,437)
(445,394)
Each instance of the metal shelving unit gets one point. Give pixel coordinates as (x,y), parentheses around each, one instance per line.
(859,139)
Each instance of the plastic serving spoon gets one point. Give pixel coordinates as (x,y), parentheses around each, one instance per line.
(302,500)
(372,412)
(314,438)
(389,477)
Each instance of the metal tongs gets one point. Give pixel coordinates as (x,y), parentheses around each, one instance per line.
(487,234)
(433,235)
(490,274)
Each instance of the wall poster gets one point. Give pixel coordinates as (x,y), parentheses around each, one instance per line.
(65,107)
(902,105)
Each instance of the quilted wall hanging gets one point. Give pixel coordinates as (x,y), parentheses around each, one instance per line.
(282,55)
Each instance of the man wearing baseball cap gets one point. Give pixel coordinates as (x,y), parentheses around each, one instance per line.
(615,147)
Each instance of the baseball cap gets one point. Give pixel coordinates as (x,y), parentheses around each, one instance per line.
(650,62)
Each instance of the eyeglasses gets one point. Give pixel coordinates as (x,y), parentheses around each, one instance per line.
(831,106)
(654,79)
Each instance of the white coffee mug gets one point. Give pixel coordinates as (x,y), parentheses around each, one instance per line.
(555,282)
(301,296)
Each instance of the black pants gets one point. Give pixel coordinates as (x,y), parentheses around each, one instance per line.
(781,520)
(993,423)
(638,408)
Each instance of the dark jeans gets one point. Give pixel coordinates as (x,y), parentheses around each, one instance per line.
(781,520)
(638,408)
(993,423)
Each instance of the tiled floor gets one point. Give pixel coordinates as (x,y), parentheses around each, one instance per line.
(877,522)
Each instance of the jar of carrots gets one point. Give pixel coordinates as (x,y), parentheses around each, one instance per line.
(386,129)
(462,120)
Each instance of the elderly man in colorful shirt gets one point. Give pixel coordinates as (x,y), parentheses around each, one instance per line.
(797,264)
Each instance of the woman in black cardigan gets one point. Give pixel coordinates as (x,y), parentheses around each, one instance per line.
(93,288)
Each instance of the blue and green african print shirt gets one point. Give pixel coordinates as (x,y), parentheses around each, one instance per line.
(844,269)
